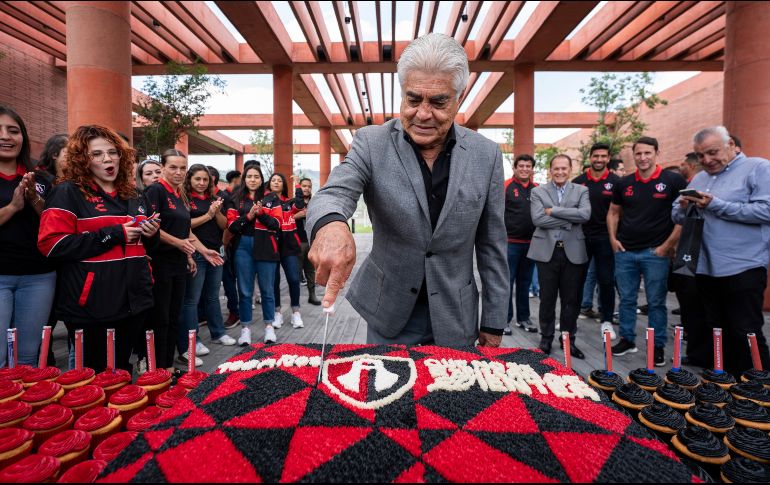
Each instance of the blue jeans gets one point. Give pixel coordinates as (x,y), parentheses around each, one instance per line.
(589,287)
(204,288)
(521,269)
(291,270)
(25,304)
(630,267)
(247,268)
(535,286)
(228,281)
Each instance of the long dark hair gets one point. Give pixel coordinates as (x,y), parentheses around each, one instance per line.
(187,185)
(285,191)
(241,191)
(24,157)
(173,152)
(51,150)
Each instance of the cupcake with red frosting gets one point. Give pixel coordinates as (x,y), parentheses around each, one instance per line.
(144,419)
(10,391)
(12,413)
(170,397)
(34,375)
(84,472)
(110,448)
(129,401)
(15,374)
(70,447)
(192,379)
(100,423)
(112,380)
(155,382)
(32,469)
(15,444)
(42,394)
(76,378)
(84,398)
(48,421)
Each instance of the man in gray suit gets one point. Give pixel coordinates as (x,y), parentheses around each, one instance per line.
(559,209)
(434,192)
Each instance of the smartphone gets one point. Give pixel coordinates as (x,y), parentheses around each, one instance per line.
(690,193)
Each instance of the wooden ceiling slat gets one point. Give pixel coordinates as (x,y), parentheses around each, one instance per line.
(473,9)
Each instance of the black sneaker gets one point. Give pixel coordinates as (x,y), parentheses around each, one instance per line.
(507,330)
(527,325)
(624,347)
(660,358)
(676,311)
(644,309)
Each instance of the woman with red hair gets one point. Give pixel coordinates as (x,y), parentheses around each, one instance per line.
(96,226)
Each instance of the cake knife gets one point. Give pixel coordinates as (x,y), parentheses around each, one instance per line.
(327,311)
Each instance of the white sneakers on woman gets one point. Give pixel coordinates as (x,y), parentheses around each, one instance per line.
(245,338)
(269,335)
(296,320)
(278,320)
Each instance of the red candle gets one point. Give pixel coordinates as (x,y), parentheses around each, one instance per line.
(567,355)
(650,350)
(43,358)
(79,349)
(191,351)
(754,351)
(608,350)
(718,363)
(111,349)
(677,347)
(150,336)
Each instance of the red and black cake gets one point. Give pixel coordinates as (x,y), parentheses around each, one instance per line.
(394,413)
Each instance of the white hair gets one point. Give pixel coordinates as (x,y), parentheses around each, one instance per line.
(435,53)
(719,131)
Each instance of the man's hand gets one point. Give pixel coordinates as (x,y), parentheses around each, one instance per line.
(301,214)
(213,257)
(664,251)
(702,202)
(333,253)
(489,340)
(617,246)
(548,211)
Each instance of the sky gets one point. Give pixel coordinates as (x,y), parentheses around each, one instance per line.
(554,91)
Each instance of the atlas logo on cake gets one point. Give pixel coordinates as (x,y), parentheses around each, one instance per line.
(369,381)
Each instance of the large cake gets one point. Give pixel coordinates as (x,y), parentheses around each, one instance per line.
(395,413)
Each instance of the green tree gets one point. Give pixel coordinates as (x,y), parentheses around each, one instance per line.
(508,137)
(173,104)
(623,96)
(262,150)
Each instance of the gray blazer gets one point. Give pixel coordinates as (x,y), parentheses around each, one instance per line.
(564,223)
(383,167)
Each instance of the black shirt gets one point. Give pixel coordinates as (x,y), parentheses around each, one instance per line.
(301,227)
(436,180)
(646,218)
(18,236)
(174,220)
(600,196)
(518,217)
(208,233)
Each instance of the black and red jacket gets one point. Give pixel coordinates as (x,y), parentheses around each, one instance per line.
(518,218)
(264,229)
(101,277)
(289,241)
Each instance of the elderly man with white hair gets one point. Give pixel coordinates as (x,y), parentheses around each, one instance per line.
(434,191)
(734,198)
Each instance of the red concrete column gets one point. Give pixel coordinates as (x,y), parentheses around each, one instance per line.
(747,68)
(183,144)
(325,148)
(282,120)
(99,65)
(239,162)
(524,109)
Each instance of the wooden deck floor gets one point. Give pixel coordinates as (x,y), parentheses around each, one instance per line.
(346,326)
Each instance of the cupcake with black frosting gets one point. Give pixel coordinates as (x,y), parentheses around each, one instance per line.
(753,391)
(632,397)
(710,417)
(683,377)
(675,396)
(720,378)
(743,470)
(749,414)
(647,380)
(700,444)
(605,380)
(709,392)
(662,419)
(762,376)
(751,443)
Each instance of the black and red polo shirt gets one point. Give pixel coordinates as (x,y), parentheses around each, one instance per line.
(208,233)
(646,218)
(18,236)
(174,220)
(518,218)
(600,196)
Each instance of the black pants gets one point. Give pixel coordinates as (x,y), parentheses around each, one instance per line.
(693,316)
(734,303)
(168,291)
(306,267)
(563,279)
(418,329)
(601,252)
(95,341)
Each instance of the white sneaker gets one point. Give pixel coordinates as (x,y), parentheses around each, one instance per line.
(185,358)
(245,338)
(278,320)
(269,335)
(225,340)
(608,326)
(201,349)
(296,320)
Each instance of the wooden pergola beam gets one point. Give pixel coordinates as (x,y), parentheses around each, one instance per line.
(30,35)
(464,31)
(708,34)
(199,17)
(610,15)
(547,27)
(455,16)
